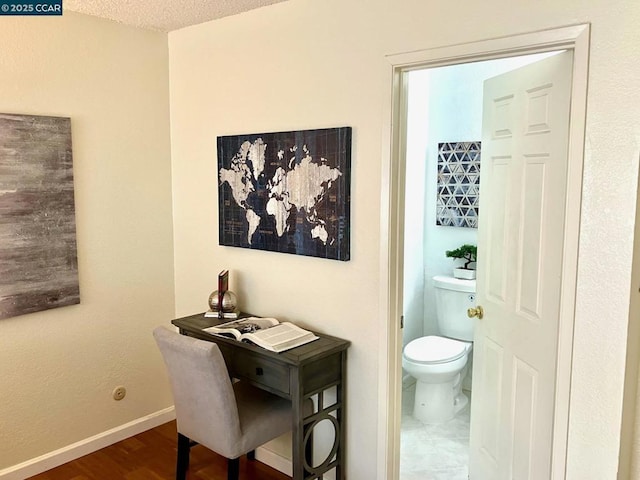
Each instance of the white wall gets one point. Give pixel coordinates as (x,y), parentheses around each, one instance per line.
(307,64)
(415,204)
(451,116)
(59,367)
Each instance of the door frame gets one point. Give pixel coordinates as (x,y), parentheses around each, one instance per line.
(575,38)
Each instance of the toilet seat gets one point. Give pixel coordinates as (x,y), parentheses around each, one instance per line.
(433,350)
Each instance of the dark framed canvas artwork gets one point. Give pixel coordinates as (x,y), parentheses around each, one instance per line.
(37,215)
(286,192)
(458,185)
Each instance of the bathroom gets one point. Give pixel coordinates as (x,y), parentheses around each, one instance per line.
(444,106)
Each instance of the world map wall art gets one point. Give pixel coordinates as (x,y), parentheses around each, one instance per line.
(286,192)
(38,265)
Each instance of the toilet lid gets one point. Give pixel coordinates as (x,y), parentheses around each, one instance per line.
(434,349)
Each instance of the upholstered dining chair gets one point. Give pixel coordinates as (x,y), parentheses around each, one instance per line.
(230,418)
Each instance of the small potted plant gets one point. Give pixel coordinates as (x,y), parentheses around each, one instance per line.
(467,253)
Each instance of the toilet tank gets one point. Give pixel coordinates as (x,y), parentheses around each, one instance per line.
(453,297)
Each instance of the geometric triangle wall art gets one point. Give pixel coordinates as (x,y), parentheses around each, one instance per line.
(458,184)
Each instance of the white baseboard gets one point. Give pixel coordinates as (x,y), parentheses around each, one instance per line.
(274,460)
(89,445)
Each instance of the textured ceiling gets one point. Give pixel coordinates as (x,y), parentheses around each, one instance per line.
(163,15)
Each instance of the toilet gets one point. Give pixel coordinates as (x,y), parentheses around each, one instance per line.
(439,363)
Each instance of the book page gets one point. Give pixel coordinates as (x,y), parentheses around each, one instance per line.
(252,324)
(226,332)
(244,325)
(281,337)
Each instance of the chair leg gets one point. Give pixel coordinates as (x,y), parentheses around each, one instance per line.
(182,464)
(233,468)
(251,455)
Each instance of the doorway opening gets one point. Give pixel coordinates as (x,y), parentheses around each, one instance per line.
(443,160)
(574,39)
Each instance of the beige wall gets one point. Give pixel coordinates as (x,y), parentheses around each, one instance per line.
(299,64)
(58,368)
(307,64)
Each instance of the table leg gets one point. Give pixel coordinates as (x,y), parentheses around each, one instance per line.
(297,403)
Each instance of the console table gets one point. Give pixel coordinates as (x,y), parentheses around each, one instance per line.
(296,374)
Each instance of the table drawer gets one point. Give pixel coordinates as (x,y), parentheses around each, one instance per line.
(260,370)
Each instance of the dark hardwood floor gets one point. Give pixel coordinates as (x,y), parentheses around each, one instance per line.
(151,455)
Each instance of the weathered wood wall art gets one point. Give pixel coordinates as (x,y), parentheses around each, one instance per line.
(38,262)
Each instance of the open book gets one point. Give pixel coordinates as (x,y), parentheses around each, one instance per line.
(267,333)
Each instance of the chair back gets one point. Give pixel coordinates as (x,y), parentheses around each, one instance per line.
(206,409)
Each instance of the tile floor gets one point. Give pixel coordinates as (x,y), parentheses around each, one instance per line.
(433,452)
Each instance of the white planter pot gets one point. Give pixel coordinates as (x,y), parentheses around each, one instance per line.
(464,274)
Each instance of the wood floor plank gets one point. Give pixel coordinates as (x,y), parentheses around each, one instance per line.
(143,474)
(151,455)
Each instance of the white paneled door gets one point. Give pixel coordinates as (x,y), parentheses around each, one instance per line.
(520,244)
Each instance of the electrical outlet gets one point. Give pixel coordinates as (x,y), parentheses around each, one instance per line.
(119,393)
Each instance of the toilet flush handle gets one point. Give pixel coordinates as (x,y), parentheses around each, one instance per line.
(475,312)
